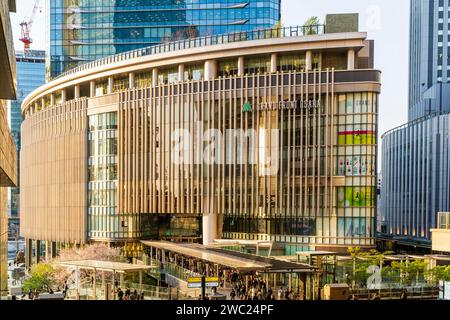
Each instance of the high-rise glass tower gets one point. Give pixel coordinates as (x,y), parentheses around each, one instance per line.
(429,83)
(415,156)
(30,75)
(85,30)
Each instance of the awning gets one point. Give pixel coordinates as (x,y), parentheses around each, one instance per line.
(109,266)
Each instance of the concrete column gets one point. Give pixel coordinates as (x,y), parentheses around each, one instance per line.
(209,228)
(92,89)
(53,249)
(52,100)
(63,95)
(155,76)
(113,282)
(76,92)
(95,284)
(131,80)
(78,282)
(28,253)
(42,103)
(320,60)
(351,59)
(38,251)
(210,69)
(290,281)
(47,250)
(121,281)
(308,60)
(181,72)
(241,66)
(110,85)
(273,63)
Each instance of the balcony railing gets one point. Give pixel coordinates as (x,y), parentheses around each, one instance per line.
(261,34)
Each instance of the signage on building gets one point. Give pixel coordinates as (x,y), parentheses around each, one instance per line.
(281,105)
(196,282)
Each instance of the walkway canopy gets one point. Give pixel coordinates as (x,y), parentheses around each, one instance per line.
(108,266)
(202,253)
(105,266)
(230,259)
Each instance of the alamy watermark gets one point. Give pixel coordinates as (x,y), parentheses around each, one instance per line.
(233,147)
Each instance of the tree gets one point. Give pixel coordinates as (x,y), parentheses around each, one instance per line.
(410,271)
(439,273)
(363,262)
(311,25)
(98,251)
(42,278)
(20,257)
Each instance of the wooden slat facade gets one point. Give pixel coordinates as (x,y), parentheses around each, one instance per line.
(54,175)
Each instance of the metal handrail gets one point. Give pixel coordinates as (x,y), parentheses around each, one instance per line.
(165,47)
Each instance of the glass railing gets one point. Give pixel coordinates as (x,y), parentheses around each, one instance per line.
(148,292)
(271,33)
(174,270)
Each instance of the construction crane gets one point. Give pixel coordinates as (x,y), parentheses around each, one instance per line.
(26,28)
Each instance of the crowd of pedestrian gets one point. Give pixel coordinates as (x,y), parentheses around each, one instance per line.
(257,289)
(128,295)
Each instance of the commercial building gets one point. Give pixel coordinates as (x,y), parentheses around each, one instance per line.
(30,75)
(8,153)
(264,135)
(84,30)
(415,156)
(441,234)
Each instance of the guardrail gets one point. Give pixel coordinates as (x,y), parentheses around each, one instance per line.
(269,33)
(86,291)
(396,293)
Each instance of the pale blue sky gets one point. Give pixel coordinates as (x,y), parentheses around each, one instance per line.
(386,21)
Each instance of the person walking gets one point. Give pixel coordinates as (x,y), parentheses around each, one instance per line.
(30,294)
(232,294)
(404,295)
(280,293)
(120,294)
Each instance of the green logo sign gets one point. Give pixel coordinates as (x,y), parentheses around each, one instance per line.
(247,107)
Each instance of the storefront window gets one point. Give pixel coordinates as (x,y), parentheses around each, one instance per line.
(120,84)
(228,68)
(143,80)
(193,72)
(292,62)
(259,65)
(336,60)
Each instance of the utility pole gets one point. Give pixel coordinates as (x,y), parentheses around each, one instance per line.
(203,287)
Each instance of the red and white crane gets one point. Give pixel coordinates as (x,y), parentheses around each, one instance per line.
(26,28)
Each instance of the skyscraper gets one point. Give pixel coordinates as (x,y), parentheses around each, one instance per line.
(30,75)
(85,30)
(415,156)
(429,75)
(8,153)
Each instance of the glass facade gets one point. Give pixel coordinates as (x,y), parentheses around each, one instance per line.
(85,30)
(102,177)
(415,156)
(415,179)
(30,76)
(307,214)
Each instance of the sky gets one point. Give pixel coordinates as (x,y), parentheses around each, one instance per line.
(385,21)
